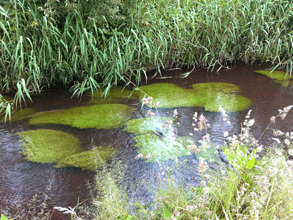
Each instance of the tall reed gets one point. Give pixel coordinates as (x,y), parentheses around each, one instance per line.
(89,44)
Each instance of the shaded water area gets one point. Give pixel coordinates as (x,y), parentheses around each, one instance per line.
(25,186)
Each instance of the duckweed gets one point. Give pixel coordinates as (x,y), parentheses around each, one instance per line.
(48,146)
(104,116)
(88,160)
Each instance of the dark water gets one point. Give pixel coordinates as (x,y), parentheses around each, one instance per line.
(25,186)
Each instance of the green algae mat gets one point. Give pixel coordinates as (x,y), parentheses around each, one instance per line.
(114,95)
(105,116)
(48,146)
(208,95)
(280,77)
(162,148)
(88,160)
(146,125)
(277,75)
(52,146)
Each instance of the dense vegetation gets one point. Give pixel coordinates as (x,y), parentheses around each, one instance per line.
(88,44)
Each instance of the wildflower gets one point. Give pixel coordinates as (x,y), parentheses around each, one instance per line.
(206,137)
(203,166)
(148,156)
(250,122)
(191,208)
(202,183)
(150,113)
(190,134)
(287,142)
(194,149)
(209,213)
(206,190)
(139,156)
(273,119)
(226,134)
(145,101)
(157,104)
(169,122)
(290,152)
(277,140)
(277,133)
(175,113)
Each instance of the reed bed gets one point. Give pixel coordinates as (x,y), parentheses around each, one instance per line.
(84,45)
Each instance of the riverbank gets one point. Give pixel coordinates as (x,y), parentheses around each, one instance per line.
(104,43)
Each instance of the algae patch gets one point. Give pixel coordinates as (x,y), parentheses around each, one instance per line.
(162,148)
(88,160)
(170,95)
(48,146)
(277,75)
(104,116)
(117,92)
(146,125)
(22,114)
(208,95)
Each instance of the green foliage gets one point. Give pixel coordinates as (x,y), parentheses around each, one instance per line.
(91,44)
(88,160)
(104,116)
(48,146)
(240,158)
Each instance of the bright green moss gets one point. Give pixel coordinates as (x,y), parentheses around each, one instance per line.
(207,95)
(48,146)
(162,148)
(149,125)
(88,160)
(104,116)
(278,75)
(115,92)
(170,95)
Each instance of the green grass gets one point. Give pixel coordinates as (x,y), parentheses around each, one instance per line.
(93,44)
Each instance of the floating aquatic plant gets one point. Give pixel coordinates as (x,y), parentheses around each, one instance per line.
(117,92)
(277,75)
(104,116)
(149,125)
(208,95)
(170,95)
(88,160)
(22,114)
(156,148)
(48,146)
